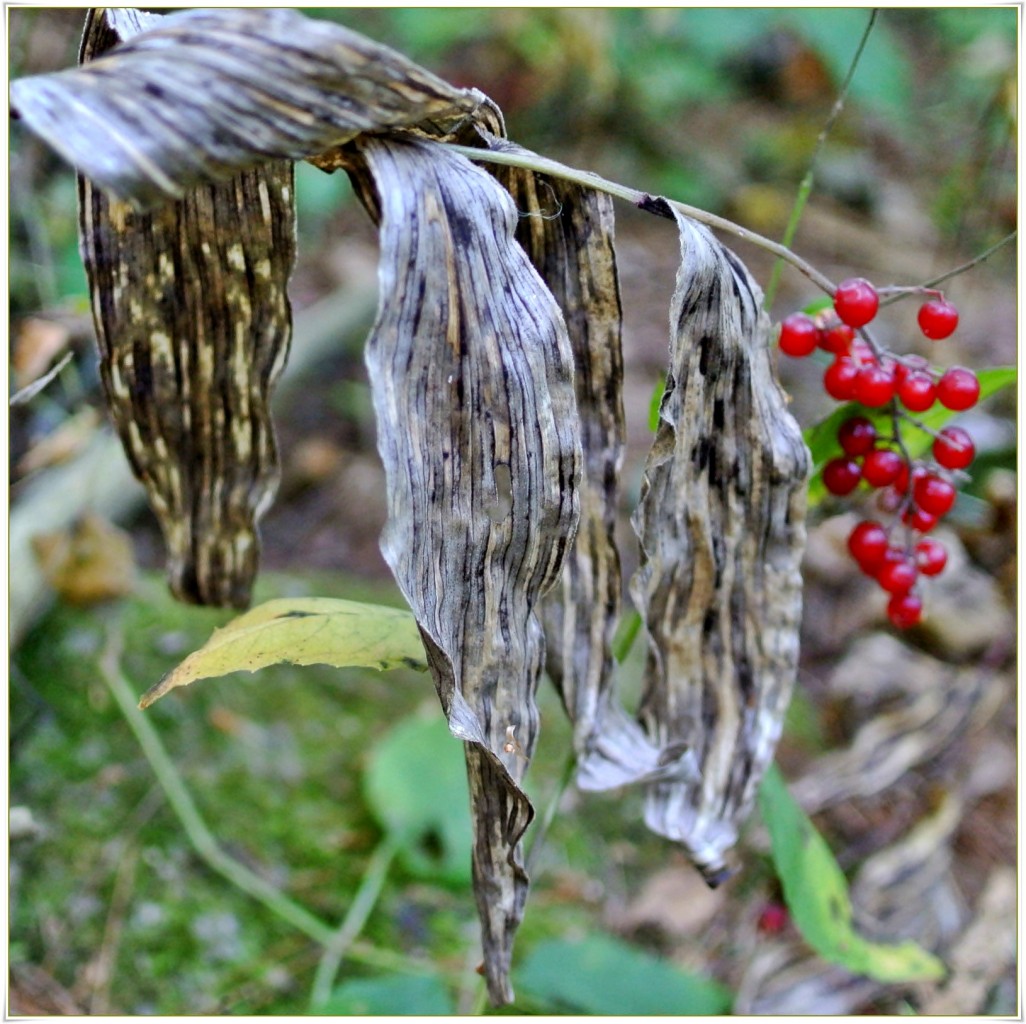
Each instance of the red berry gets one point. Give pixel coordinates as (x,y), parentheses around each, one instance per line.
(862,352)
(954,448)
(919,519)
(898,573)
(901,484)
(856,301)
(874,386)
(916,391)
(882,467)
(910,364)
(890,500)
(958,389)
(798,335)
(934,495)
(868,544)
(836,338)
(841,476)
(772,919)
(931,556)
(905,610)
(937,319)
(857,435)
(839,379)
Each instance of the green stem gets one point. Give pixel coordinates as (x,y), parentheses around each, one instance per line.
(805,188)
(542,829)
(182,803)
(625,636)
(206,846)
(341,942)
(586,179)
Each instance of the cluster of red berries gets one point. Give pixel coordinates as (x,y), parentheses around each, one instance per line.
(915,492)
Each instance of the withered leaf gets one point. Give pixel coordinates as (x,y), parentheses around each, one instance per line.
(721,525)
(472,377)
(193,324)
(568,233)
(199,95)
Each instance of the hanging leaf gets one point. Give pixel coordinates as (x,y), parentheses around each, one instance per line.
(817,895)
(193,324)
(302,631)
(472,377)
(200,95)
(568,233)
(721,522)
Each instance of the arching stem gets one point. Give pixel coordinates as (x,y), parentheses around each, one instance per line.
(642,200)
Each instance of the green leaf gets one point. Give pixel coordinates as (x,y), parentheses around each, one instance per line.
(302,631)
(416,787)
(821,437)
(397,995)
(604,976)
(816,892)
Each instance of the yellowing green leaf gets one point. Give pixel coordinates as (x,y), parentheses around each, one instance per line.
(302,631)
(817,896)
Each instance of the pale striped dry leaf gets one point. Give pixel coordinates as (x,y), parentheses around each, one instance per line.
(721,524)
(568,233)
(200,95)
(472,377)
(193,324)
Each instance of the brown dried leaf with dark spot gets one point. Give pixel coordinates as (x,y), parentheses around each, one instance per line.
(472,377)
(193,324)
(721,522)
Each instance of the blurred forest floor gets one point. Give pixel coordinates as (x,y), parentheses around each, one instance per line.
(903,747)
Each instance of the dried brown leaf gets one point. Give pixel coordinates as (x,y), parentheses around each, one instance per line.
(721,522)
(472,377)
(568,233)
(193,324)
(200,95)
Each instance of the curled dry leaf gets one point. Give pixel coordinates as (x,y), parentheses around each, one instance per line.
(567,231)
(201,95)
(721,521)
(472,377)
(193,324)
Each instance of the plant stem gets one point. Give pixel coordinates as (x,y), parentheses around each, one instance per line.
(517,157)
(182,803)
(805,188)
(961,269)
(359,910)
(550,811)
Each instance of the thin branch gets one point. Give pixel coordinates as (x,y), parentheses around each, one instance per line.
(181,801)
(203,841)
(642,200)
(366,897)
(805,188)
(542,828)
(961,269)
